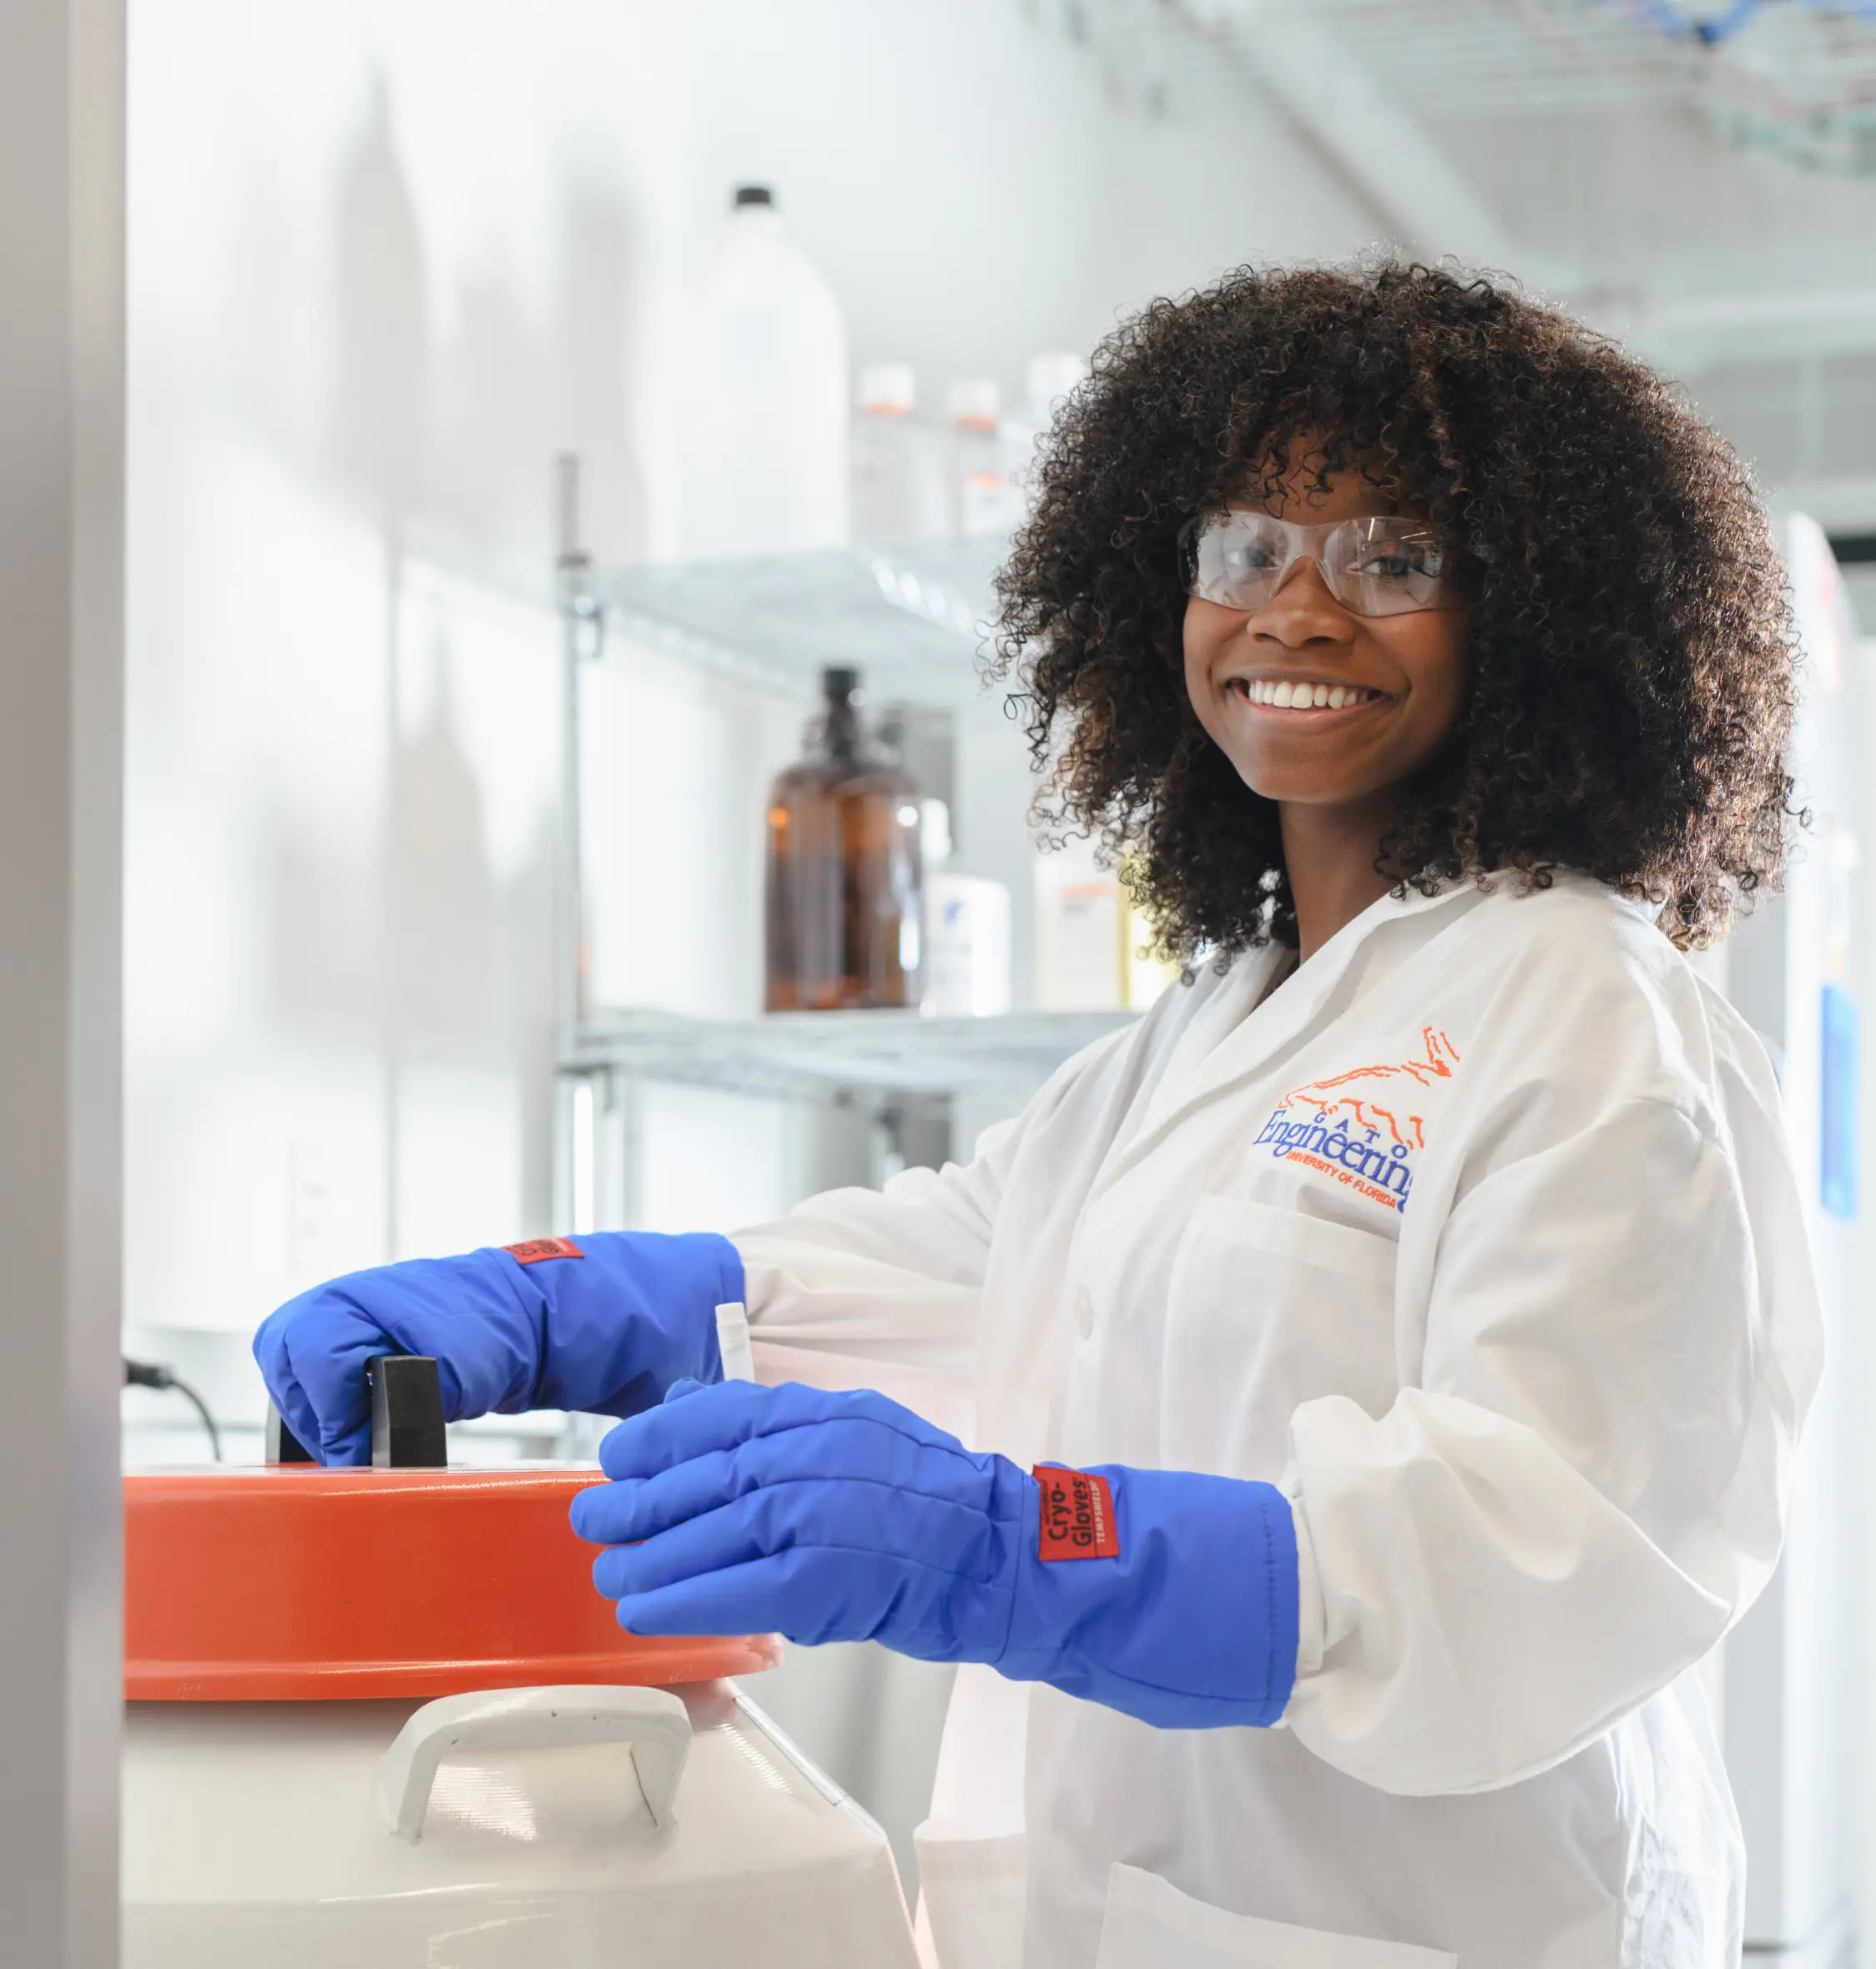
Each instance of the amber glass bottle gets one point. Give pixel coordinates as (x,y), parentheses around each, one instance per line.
(845,896)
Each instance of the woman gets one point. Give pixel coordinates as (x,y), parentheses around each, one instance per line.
(1415,1307)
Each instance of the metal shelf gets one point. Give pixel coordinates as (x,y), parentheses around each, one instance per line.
(914,620)
(823,1053)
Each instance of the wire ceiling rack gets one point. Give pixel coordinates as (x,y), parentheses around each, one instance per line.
(1797,78)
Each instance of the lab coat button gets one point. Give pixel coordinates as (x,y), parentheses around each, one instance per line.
(1084,1313)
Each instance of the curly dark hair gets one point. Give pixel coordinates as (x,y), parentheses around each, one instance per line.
(1630,651)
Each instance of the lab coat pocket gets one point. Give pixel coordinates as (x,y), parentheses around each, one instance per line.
(1270,1309)
(1150,1924)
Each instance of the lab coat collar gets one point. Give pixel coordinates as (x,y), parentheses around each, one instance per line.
(1252,1019)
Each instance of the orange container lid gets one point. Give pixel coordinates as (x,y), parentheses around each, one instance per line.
(298,1583)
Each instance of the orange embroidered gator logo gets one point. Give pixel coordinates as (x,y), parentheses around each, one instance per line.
(1339,1090)
(1372,1098)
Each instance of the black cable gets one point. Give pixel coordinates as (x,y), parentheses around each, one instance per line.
(154,1374)
(189,1394)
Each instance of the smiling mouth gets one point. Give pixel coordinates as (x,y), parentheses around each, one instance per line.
(1302,694)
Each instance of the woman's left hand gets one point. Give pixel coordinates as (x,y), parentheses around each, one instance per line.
(824,1517)
(742,1509)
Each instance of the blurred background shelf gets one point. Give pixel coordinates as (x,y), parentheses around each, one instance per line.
(823,1053)
(915,619)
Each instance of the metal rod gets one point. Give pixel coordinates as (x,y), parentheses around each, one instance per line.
(567,507)
(581,629)
(575,641)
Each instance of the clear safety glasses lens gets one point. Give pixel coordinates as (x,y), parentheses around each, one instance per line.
(1372,567)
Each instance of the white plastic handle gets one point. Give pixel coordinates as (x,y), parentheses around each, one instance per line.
(654,1722)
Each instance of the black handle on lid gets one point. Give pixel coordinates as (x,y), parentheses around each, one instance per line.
(406,1418)
(407,1413)
(283,1446)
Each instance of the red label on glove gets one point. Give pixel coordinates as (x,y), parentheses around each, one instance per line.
(1077,1515)
(532,1250)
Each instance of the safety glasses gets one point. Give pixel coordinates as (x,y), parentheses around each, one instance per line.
(1372,567)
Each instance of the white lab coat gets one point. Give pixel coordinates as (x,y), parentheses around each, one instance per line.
(1537,1428)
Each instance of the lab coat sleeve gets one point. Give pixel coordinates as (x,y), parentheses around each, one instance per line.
(880,1288)
(1586,1484)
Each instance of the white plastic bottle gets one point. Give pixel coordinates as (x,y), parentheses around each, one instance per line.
(762,433)
(984,499)
(1092,945)
(1080,928)
(899,491)
(967,930)
(1048,379)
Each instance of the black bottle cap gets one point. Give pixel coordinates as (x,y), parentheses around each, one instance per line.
(754,195)
(838,686)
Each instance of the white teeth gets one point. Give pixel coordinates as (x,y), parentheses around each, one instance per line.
(1285,696)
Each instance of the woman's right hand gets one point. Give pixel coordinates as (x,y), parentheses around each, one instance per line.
(604,1323)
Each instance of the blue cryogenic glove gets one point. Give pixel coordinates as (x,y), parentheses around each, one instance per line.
(845,1518)
(604,1324)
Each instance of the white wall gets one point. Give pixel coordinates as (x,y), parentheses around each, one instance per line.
(386,260)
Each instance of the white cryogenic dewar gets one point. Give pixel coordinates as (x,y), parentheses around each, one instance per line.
(762,437)
(378,1717)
